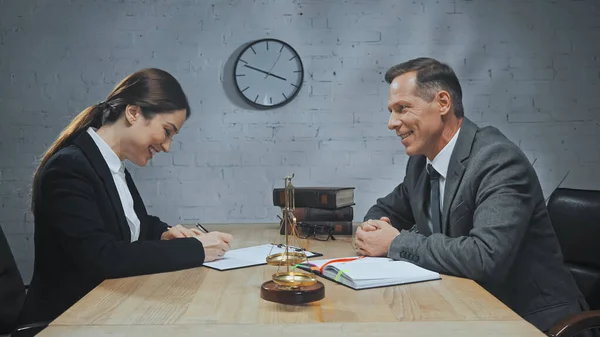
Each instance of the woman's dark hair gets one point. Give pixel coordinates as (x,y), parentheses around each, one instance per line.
(432,76)
(154,90)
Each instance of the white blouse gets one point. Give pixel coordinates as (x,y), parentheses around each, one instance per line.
(118,173)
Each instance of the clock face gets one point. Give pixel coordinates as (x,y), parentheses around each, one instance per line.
(268,73)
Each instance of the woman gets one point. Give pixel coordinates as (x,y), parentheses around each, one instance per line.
(90,221)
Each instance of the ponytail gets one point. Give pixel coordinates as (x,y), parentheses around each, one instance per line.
(85,119)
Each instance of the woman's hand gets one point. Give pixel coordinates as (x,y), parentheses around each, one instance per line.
(215,244)
(179,232)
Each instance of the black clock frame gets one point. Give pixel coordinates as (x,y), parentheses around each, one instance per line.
(258,105)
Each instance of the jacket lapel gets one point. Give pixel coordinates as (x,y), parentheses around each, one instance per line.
(85,142)
(456,167)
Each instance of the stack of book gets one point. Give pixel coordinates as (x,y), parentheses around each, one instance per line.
(326,206)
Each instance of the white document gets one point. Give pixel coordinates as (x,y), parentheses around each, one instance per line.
(250,256)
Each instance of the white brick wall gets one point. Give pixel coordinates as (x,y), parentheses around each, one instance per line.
(531,68)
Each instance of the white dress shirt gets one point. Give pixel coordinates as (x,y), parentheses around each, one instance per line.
(440,163)
(118,173)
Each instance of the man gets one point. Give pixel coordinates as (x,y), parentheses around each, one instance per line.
(470,205)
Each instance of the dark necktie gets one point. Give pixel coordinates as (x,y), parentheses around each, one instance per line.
(434,183)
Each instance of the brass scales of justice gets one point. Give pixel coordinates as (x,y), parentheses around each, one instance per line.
(297,286)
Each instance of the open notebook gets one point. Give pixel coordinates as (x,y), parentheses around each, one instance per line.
(371,272)
(250,256)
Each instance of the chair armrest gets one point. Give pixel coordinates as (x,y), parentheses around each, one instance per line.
(574,324)
(29,329)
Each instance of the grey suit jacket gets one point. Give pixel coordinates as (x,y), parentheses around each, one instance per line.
(496,227)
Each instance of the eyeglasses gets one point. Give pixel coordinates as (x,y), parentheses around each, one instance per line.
(320,232)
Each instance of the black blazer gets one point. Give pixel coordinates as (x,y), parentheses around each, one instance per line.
(82,236)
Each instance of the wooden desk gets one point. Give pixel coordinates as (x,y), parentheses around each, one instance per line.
(412,329)
(214,300)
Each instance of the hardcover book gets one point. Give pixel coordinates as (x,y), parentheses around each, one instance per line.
(317,197)
(321,214)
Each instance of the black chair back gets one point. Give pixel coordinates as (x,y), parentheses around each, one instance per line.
(12,288)
(575,216)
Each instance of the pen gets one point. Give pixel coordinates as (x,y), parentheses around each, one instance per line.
(281,245)
(199,226)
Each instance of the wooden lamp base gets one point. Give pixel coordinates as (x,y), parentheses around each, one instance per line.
(274,292)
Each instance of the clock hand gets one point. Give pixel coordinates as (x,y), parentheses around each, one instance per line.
(259,70)
(274,63)
(264,72)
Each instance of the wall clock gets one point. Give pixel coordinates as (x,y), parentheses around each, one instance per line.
(268,73)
